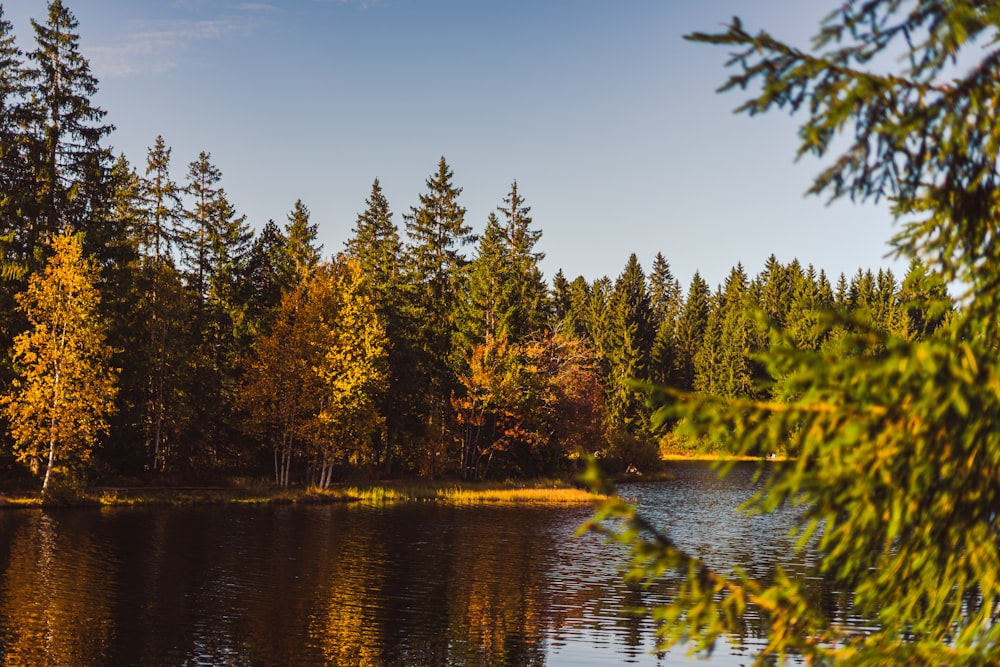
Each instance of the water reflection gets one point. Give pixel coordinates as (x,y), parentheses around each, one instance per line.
(55,612)
(303,586)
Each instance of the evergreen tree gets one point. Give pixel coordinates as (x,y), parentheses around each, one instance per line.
(161,204)
(153,331)
(663,291)
(16,188)
(665,302)
(267,277)
(561,300)
(775,288)
(923,297)
(215,247)
(691,327)
(575,323)
(629,353)
(493,295)
(376,247)
(68,164)
(598,325)
(528,294)
(301,254)
(437,271)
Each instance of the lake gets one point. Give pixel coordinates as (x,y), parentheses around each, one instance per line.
(413,584)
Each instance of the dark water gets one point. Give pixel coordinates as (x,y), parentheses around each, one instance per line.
(419,584)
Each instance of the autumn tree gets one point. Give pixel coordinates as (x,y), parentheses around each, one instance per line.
(353,367)
(66,387)
(281,391)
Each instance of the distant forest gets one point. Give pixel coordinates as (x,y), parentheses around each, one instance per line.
(146,328)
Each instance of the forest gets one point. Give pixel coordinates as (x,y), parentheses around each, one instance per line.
(148,329)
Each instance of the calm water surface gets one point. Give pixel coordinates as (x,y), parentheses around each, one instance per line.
(419,584)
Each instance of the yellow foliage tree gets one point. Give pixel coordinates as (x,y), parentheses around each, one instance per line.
(66,387)
(354,366)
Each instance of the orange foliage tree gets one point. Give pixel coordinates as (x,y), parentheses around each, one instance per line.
(543,398)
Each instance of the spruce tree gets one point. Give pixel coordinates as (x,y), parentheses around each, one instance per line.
(629,352)
(16,188)
(215,247)
(561,300)
(691,327)
(376,247)
(492,297)
(267,277)
(436,269)
(162,206)
(527,288)
(68,164)
(665,302)
(302,255)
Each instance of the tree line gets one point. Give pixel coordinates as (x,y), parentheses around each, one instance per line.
(147,327)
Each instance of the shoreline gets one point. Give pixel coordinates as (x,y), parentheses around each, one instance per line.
(453,493)
(242,492)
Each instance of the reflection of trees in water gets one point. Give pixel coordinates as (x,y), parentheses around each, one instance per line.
(415,584)
(345,622)
(55,596)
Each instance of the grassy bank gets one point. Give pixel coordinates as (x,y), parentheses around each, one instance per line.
(257,493)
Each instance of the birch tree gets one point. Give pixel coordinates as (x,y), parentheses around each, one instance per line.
(66,387)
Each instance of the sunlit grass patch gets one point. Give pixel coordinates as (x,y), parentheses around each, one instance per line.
(244,492)
(470,494)
(25,501)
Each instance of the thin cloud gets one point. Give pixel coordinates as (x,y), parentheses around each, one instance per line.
(159,48)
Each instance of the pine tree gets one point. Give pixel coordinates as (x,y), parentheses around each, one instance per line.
(66,391)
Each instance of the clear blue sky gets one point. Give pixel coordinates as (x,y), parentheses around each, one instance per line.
(606,118)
